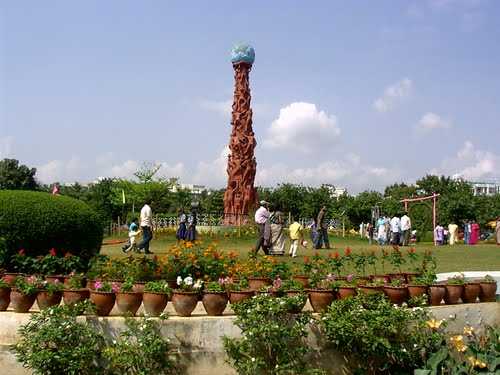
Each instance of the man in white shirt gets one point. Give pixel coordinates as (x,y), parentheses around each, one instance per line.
(261,216)
(395,230)
(405,229)
(146,226)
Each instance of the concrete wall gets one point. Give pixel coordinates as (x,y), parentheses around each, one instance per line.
(198,338)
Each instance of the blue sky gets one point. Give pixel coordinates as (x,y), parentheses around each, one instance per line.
(358,94)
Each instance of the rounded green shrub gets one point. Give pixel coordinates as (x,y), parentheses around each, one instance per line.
(38,222)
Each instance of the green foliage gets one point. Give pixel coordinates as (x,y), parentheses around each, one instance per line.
(127,285)
(456,280)
(382,338)
(14,176)
(54,342)
(158,287)
(274,340)
(214,286)
(140,350)
(26,286)
(75,281)
(37,222)
(49,287)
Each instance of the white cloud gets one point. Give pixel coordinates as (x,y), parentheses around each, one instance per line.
(431,121)
(393,94)
(471,163)
(6,146)
(221,107)
(302,127)
(60,170)
(213,173)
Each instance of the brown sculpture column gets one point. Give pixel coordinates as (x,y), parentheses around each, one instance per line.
(241,196)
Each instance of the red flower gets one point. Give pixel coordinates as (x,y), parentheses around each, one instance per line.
(347,251)
(336,255)
(68,254)
(22,252)
(53,252)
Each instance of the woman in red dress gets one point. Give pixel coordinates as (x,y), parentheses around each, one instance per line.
(474,236)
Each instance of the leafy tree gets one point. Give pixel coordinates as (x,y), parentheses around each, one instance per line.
(147,171)
(15,176)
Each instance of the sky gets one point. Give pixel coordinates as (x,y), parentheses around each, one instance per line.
(358,94)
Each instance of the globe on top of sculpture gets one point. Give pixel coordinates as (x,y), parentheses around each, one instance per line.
(243,53)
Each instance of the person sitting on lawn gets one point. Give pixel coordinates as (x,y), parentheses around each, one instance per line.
(133,232)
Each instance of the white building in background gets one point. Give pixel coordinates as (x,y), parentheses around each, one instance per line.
(335,192)
(192,188)
(485,188)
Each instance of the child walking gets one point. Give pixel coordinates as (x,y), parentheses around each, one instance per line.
(295,230)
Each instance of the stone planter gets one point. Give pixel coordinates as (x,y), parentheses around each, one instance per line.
(471,292)
(214,302)
(416,290)
(453,294)
(154,303)
(346,292)
(104,302)
(21,302)
(52,279)
(74,296)
(298,308)
(488,292)
(396,294)
(256,283)
(370,289)
(320,299)
(45,299)
(4,298)
(240,295)
(184,302)
(128,302)
(10,277)
(436,294)
(303,279)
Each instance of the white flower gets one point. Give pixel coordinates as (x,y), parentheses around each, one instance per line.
(179,280)
(188,281)
(276,366)
(253,359)
(198,284)
(404,350)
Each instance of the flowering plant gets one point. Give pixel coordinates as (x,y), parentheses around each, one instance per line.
(50,288)
(335,262)
(75,281)
(23,263)
(26,286)
(216,286)
(158,287)
(188,285)
(106,286)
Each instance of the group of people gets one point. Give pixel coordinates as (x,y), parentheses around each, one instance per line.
(449,235)
(186,230)
(146,228)
(395,230)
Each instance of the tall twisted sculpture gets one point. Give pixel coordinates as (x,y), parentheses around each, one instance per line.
(241,196)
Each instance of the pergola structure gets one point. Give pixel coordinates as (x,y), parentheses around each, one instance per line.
(434,197)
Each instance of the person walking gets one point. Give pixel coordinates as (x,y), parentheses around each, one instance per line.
(261,217)
(146,223)
(405,229)
(438,235)
(192,220)
(466,232)
(295,231)
(381,231)
(497,230)
(452,233)
(322,227)
(395,224)
(474,233)
(181,231)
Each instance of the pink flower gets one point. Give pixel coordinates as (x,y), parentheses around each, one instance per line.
(277,283)
(222,280)
(330,277)
(115,287)
(349,278)
(56,281)
(97,285)
(32,279)
(22,252)
(53,252)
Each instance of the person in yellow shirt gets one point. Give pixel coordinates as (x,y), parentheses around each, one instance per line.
(295,230)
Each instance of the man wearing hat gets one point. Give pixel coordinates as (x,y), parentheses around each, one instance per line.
(261,216)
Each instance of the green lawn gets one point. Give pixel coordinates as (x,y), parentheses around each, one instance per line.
(482,257)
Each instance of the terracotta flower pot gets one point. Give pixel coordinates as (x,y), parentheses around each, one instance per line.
(471,292)
(10,277)
(139,286)
(184,302)
(346,292)
(488,292)
(320,299)
(104,302)
(256,283)
(128,302)
(240,295)
(74,296)
(52,279)
(304,280)
(45,300)
(416,290)
(436,294)
(298,308)
(396,294)
(21,302)
(370,289)
(4,298)
(154,303)
(214,302)
(453,294)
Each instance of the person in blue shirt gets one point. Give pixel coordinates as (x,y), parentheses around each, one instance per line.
(133,232)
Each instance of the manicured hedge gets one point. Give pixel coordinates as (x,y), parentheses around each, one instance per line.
(37,222)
